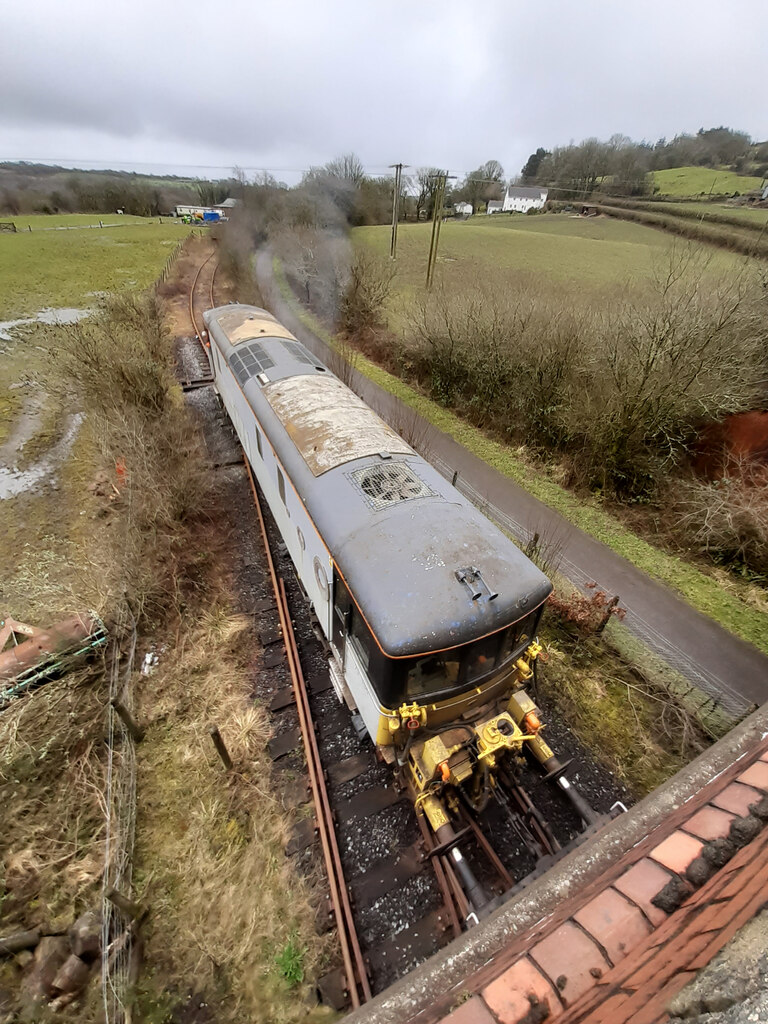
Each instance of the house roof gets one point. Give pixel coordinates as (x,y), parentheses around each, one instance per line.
(522,192)
(494,204)
(226,205)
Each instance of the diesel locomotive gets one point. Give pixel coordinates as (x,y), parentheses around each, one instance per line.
(430,612)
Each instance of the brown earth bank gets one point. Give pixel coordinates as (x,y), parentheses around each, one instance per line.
(233,936)
(724,447)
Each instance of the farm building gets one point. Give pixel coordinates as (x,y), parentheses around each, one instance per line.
(494,206)
(226,207)
(521,199)
(462,209)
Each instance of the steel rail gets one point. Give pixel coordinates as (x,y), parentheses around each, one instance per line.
(354,965)
(195,328)
(213,278)
(442,881)
(506,879)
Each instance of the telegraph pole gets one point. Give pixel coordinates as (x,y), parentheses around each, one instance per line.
(437,219)
(395,210)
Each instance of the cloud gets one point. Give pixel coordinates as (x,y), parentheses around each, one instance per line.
(292,84)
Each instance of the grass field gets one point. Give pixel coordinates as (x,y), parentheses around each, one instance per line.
(693,181)
(67,268)
(577,255)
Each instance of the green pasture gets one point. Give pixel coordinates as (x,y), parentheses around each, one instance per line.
(68,268)
(580,256)
(694,181)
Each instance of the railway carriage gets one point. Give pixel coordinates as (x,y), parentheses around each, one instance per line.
(429,611)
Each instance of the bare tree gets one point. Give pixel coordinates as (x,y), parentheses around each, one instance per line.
(426,182)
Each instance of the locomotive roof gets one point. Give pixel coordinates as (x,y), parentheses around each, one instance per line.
(399,533)
(328,423)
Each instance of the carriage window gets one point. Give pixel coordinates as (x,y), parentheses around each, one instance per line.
(281,486)
(258,441)
(519,635)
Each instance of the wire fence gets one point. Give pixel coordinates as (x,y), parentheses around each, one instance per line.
(120,807)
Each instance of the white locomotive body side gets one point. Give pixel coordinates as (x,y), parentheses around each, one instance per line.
(304,545)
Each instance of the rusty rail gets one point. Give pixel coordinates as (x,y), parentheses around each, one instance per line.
(354,966)
(213,279)
(195,328)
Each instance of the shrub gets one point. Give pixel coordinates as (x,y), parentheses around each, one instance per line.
(118,364)
(361,308)
(728,518)
(620,389)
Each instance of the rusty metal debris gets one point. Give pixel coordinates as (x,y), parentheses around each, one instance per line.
(30,656)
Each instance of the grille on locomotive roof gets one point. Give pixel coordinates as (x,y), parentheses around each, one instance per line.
(293,348)
(249,361)
(388,484)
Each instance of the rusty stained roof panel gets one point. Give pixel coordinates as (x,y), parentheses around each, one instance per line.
(244,323)
(328,423)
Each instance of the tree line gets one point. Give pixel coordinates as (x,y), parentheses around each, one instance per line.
(624,167)
(27,188)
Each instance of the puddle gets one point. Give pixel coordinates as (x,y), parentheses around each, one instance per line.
(14,481)
(49,315)
(26,425)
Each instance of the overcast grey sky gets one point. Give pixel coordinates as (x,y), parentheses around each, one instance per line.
(287,84)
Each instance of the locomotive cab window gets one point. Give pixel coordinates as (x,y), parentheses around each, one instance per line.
(445,672)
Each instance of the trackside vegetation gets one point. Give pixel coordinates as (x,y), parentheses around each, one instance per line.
(127,527)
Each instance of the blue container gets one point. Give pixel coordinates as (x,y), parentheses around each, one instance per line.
(211,216)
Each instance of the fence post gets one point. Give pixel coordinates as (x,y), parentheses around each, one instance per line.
(130,723)
(221,749)
(607,614)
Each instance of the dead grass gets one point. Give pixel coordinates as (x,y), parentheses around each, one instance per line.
(52,767)
(645,736)
(210,862)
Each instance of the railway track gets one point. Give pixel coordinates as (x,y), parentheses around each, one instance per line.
(394,896)
(195,367)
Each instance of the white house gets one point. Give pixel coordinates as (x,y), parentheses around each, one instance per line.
(521,199)
(494,206)
(462,209)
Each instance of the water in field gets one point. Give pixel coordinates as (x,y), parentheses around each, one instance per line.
(49,315)
(15,481)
